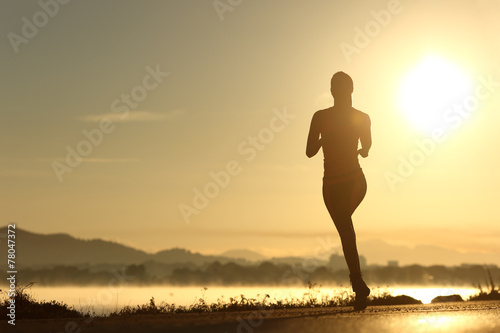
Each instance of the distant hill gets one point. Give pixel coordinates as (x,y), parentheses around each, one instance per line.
(61,249)
(295,261)
(38,250)
(173,256)
(243,254)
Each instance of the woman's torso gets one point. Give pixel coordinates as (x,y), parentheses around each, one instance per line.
(340,133)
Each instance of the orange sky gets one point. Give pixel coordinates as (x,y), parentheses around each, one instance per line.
(114,115)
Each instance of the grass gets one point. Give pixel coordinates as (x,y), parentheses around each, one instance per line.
(309,299)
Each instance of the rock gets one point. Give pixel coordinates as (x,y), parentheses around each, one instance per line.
(394,300)
(449,298)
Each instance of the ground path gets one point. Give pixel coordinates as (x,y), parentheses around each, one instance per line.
(463,317)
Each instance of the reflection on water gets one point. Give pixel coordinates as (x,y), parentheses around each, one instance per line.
(107,299)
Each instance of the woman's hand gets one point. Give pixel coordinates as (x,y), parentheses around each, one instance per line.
(363,152)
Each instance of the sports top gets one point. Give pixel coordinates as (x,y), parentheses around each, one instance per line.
(340,132)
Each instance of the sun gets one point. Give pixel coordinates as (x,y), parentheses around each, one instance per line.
(429,89)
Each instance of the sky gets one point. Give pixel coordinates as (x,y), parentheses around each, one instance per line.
(163,124)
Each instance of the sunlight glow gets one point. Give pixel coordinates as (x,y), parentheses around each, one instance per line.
(427,294)
(431,87)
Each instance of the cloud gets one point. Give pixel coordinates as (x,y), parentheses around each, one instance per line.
(134,116)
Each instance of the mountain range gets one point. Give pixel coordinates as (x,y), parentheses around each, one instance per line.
(38,250)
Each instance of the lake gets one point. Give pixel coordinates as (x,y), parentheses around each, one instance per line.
(104,299)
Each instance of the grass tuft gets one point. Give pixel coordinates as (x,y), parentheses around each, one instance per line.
(491,295)
(27,307)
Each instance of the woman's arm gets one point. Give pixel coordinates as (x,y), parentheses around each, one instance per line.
(314,141)
(365,138)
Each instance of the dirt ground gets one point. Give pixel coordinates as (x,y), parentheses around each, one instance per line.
(482,316)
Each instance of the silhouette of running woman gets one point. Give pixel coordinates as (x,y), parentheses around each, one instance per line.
(337,130)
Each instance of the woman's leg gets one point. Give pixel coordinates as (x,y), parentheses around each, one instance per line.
(341,200)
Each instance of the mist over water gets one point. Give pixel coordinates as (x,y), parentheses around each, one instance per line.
(104,300)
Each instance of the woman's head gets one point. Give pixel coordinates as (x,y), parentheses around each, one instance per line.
(341,85)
